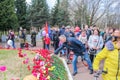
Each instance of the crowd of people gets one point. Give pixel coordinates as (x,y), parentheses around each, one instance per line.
(91,43)
(21,37)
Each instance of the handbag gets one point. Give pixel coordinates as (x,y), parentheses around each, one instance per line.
(93,51)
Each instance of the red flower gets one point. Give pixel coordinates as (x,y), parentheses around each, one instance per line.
(41,65)
(20,55)
(37,66)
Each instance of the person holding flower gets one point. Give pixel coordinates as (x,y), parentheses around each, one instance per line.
(74,45)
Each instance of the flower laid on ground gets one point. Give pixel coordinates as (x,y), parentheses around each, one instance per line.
(3,68)
(42,63)
(26,61)
(20,53)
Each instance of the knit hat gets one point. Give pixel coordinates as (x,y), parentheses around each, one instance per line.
(77,29)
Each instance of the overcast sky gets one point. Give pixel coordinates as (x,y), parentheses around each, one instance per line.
(51,3)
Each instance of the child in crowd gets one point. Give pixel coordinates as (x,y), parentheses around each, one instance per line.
(83,39)
(47,41)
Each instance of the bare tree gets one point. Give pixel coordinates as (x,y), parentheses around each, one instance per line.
(113,14)
(98,9)
(78,11)
(90,11)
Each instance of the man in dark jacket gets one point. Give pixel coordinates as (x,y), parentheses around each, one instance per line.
(88,31)
(75,45)
(33,38)
(56,38)
(62,30)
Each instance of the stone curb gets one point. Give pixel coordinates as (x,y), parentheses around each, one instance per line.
(67,69)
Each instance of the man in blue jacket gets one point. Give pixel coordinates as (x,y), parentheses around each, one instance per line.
(75,45)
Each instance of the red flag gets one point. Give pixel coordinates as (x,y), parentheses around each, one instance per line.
(46,27)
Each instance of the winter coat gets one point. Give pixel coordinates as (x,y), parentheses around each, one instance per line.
(21,37)
(73,44)
(88,32)
(83,39)
(62,30)
(111,64)
(95,41)
(56,36)
(67,34)
(47,40)
(11,36)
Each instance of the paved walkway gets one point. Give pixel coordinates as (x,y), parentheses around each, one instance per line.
(83,72)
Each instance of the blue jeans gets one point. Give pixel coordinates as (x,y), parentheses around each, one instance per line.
(74,61)
(47,46)
(87,58)
(13,45)
(68,53)
(63,51)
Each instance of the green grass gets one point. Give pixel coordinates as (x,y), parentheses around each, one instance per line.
(14,64)
(59,71)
